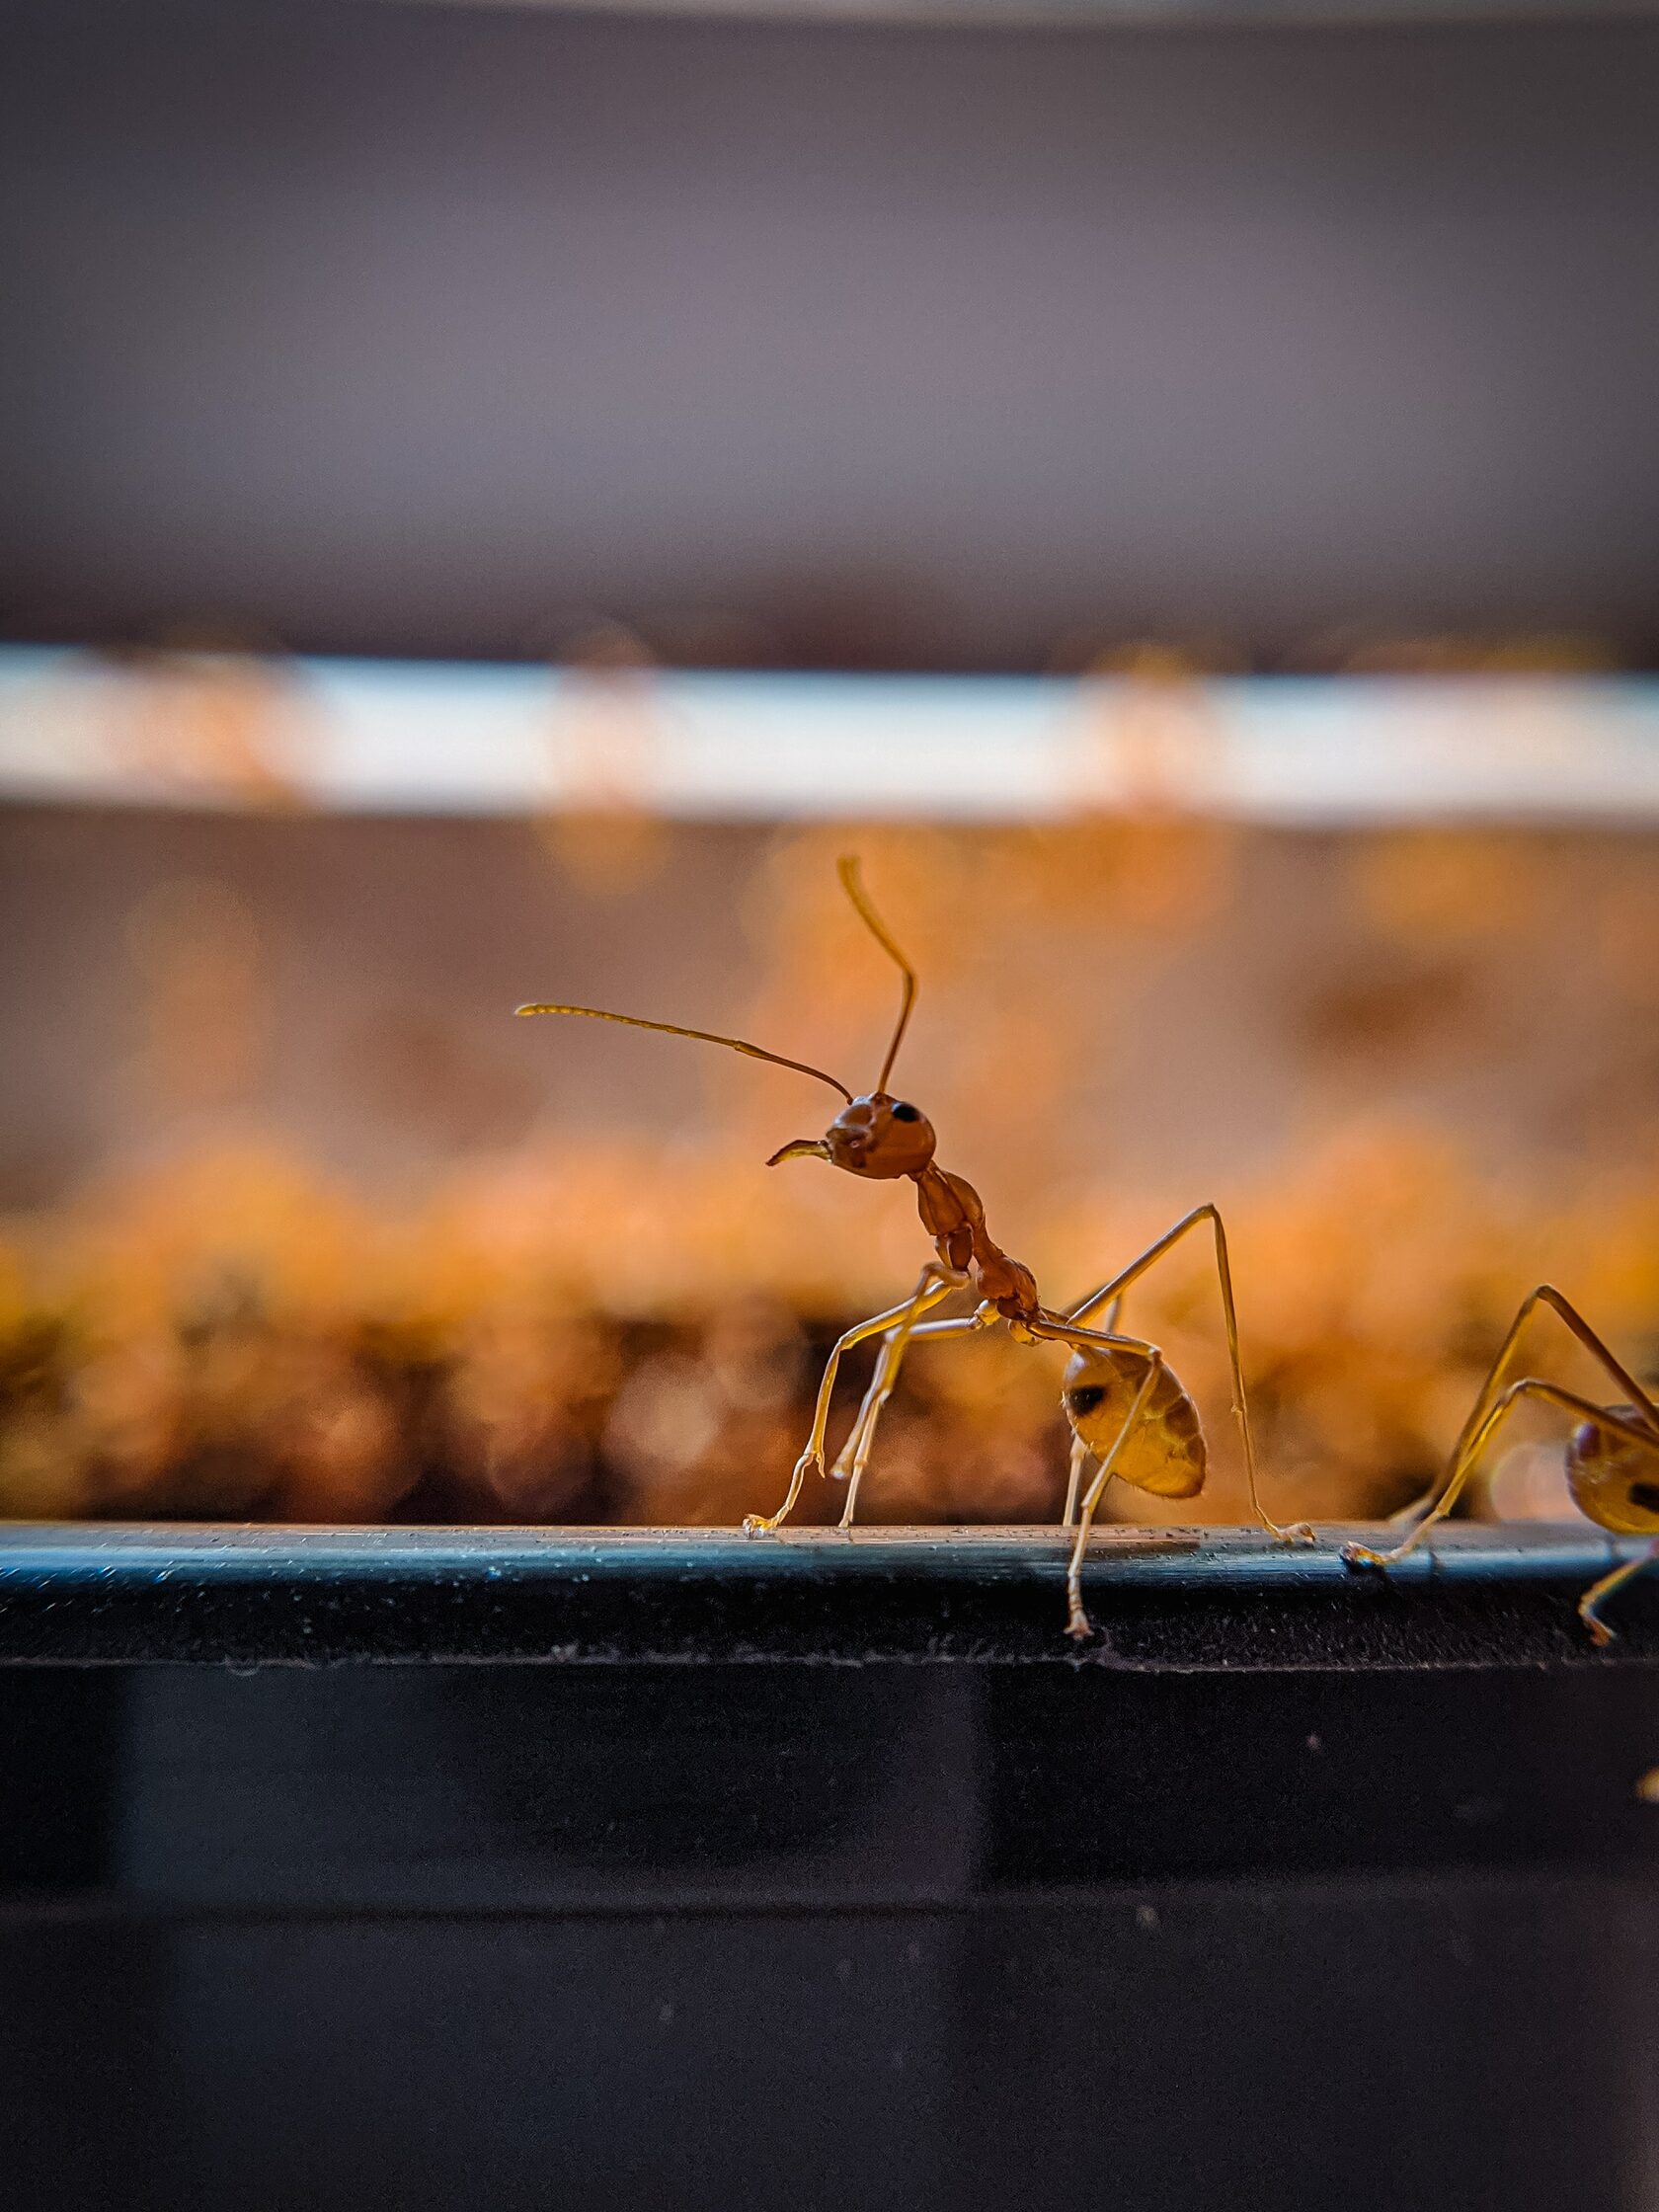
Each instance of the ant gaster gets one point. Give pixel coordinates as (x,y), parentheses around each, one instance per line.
(1125,1405)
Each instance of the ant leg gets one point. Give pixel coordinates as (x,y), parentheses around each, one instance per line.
(1410,1515)
(882,1381)
(1080,1459)
(1076,1620)
(1057,1331)
(1422,1512)
(1473,1444)
(881,1390)
(874,1398)
(1080,1450)
(1590,1605)
(933,1285)
(1407,1515)
(1300,1533)
(893,1346)
(1566,1311)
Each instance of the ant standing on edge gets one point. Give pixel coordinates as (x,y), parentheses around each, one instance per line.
(1612,1456)
(1125,1405)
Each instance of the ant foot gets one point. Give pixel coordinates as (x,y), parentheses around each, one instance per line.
(1600,1636)
(759,1524)
(1361,1555)
(1079,1628)
(1299,1532)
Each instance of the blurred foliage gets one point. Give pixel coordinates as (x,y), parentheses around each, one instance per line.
(581,1333)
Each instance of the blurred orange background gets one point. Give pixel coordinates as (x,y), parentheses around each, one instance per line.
(300,1223)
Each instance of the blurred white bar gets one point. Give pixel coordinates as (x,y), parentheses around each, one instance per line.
(221,732)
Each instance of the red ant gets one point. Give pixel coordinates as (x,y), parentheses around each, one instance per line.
(1124,1404)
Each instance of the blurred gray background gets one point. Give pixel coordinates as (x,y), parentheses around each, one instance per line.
(448,331)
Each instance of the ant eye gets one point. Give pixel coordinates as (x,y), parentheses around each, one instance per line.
(1086,1399)
(903,1113)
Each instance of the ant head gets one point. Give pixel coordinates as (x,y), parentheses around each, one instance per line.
(1613,1479)
(876,1135)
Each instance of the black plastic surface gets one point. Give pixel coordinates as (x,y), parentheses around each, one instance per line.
(1225,1599)
(1246,1910)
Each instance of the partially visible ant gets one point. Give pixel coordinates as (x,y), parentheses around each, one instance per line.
(1612,1455)
(1125,1405)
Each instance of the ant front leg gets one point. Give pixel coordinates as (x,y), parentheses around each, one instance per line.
(856,1452)
(889,1359)
(1492,1402)
(933,1284)
(1419,1511)
(1300,1531)
(893,1346)
(1468,1456)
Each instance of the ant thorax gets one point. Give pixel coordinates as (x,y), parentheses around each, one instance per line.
(953,1215)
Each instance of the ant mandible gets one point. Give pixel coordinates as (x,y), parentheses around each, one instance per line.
(1612,1455)
(1125,1405)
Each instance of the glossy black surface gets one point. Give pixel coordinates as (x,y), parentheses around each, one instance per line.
(777,1925)
(1232,1600)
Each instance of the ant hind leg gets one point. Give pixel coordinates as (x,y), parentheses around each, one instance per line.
(1075,1478)
(1299,1532)
(1590,1605)
(1078,1624)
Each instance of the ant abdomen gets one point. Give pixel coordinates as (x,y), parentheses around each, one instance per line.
(1613,1479)
(1164,1453)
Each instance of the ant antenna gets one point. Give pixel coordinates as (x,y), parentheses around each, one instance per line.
(848,869)
(704,1036)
